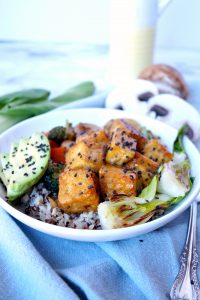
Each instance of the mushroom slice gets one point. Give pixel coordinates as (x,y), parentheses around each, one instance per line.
(176,112)
(132,96)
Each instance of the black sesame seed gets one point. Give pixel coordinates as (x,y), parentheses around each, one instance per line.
(31,164)
(29,159)
(90,186)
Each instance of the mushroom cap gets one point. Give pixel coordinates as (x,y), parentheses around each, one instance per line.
(167,79)
(126,96)
(177,113)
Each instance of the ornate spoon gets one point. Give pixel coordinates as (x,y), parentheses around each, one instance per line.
(186,286)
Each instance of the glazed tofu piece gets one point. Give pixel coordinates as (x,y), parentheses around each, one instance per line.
(157,152)
(120,123)
(114,181)
(82,156)
(97,136)
(67,144)
(78,191)
(122,148)
(145,168)
(83,128)
(132,129)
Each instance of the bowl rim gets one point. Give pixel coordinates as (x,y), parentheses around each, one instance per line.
(108,234)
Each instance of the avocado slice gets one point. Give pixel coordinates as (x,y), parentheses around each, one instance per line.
(5,168)
(26,164)
(13,151)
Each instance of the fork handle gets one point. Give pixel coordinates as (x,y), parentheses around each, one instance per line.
(186,286)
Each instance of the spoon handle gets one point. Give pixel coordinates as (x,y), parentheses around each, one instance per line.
(186,286)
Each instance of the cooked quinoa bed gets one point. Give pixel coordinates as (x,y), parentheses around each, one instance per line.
(37,205)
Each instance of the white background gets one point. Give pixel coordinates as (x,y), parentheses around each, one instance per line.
(88,21)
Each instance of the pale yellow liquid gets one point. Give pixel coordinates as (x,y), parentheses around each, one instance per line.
(130,53)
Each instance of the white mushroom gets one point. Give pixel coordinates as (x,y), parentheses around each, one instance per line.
(132,96)
(176,112)
(141,96)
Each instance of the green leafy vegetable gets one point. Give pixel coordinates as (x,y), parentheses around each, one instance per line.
(18,106)
(178,199)
(178,143)
(24,96)
(51,177)
(149,192)
(79,91)
(29,109)
(7,121)
(17,114)
(125,212)
(174,180)
(57,134)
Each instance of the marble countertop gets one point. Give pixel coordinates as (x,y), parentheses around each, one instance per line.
(56,66)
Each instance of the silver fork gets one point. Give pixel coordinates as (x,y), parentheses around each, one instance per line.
(186,286)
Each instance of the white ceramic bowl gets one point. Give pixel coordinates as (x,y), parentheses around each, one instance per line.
(99,116)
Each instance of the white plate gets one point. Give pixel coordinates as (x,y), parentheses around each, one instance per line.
(99,116)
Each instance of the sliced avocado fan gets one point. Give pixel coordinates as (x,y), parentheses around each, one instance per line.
(24,165)
(4,170)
